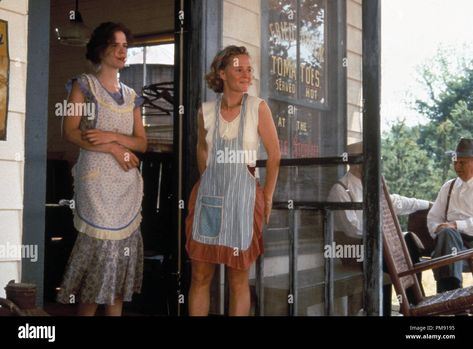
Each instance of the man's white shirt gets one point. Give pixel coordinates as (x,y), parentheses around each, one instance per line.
(351,221)
(460,209)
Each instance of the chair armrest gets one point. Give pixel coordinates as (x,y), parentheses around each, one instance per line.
(6,303)
(417,223)
(438,262)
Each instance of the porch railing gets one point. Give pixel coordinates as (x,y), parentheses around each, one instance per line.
(327,209)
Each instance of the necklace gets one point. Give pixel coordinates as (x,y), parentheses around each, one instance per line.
(114,87)
(228,107)
(231,107)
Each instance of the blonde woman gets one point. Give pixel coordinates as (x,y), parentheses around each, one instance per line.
(227,206)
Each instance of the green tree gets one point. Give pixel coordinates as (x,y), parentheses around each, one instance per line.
(405,163)
(448,103)
(414,158)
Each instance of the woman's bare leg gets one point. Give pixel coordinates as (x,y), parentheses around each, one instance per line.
(199,293)
(114,309)
(239,292)
(87,309)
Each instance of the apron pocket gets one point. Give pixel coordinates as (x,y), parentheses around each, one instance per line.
(211,212)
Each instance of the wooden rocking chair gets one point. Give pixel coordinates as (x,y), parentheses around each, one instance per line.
(402,271)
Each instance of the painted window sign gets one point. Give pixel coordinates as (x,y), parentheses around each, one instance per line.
(4,70)
(297,38)
(296,127)
(297,73)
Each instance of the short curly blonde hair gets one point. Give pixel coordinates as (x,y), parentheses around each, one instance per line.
(221,60)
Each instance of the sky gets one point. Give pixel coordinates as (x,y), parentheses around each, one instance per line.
(412,31)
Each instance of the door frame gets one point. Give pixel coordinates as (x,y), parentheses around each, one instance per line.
(195,48)
(36,130)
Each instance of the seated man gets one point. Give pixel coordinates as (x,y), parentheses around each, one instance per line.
(348,224)
(450,221)
(349,189)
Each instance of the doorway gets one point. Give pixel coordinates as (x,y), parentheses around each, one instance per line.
(150,72)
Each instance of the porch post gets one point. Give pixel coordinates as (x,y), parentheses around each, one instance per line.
(372,156)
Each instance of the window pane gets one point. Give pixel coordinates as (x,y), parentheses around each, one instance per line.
(283,48)
(150,71)
(312,70)
(297,50)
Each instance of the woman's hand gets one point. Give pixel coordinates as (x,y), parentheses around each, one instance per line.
(125,157)
(98,137)
(268,205)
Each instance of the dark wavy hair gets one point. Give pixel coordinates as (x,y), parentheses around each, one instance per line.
(221,60)
(103,36)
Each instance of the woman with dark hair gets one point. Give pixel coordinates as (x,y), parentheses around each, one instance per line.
(227,206)
(106,263)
